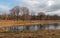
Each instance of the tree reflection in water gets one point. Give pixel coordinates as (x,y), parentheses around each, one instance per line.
(34,27)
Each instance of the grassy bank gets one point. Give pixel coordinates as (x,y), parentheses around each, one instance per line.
(31,34)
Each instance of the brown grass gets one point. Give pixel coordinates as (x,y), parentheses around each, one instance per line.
(32,34)
(5,23)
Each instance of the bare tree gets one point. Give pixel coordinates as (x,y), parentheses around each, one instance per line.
(55,17)
(5,16)
(41,15)
(26,15)
(15,12)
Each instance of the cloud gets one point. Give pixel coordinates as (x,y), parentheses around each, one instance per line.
(57,12)
(30,3)
(49,6)
(4,9)
(35,5)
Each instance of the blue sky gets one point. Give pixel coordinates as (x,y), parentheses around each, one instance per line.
(9,3)
(47,6)
(6,5)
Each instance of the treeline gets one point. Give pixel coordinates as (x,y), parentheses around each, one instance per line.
(22,13)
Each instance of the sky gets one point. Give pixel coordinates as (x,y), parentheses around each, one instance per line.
(47,6)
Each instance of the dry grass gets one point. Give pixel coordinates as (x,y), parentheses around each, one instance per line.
(32,34)
(6,23)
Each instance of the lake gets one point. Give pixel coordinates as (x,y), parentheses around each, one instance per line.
(55,26)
